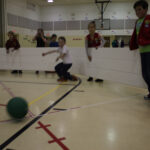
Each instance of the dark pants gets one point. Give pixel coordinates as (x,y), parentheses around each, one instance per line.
(145,60)
(62,70)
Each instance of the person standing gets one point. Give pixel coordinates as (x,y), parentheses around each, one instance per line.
(141,39)
(12,45)
(93,40)
(40,39)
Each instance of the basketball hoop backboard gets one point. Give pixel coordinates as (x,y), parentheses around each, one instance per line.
(102,7)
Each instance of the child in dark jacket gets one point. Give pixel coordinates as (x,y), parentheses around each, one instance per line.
(12,45)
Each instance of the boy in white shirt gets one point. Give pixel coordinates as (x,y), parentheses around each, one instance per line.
(63,67)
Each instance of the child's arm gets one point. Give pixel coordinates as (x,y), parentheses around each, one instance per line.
(49,52)
(61,56)
(87,51)
(43,38)
(102,42)
(34,38)
(17,46)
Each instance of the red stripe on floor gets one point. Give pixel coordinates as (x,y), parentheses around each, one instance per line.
(55,139)
(3,105)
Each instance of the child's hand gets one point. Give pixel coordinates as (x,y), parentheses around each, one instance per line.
(43,54)
(57,59)
(13,50)
(96,48)
(90,58)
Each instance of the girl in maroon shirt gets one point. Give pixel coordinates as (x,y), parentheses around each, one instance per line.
(12,44)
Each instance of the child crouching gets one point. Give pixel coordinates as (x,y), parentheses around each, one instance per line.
(63,67)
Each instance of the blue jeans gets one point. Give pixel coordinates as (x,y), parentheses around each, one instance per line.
(62,70)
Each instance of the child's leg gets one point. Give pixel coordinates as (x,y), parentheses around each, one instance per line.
(148,70)
(145,60)
(59,69)
(65,72)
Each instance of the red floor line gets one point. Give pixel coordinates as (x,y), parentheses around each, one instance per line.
(60,139)
(12,95)
(31,114)
(3,105)
(45,126)
(53,136)
(10,120)
(6,121)
(7,89)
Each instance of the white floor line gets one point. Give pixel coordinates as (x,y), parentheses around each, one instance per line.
(86,106)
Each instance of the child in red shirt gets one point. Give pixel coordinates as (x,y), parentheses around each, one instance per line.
(141,39)
(93,40)
(12,45)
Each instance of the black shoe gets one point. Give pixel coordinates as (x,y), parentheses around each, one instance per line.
(147,97)
(99,80)
(20,71)
(37,72)
(14,72)
(90,79)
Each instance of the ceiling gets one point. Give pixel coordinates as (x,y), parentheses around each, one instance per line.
(65,2)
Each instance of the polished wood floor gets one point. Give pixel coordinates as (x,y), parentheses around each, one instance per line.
(88,116)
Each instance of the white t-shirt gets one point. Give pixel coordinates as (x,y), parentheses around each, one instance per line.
(67,59)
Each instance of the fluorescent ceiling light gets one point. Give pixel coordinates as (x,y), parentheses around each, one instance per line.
(50,1)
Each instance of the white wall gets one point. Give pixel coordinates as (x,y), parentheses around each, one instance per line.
(19,8)
(115,10)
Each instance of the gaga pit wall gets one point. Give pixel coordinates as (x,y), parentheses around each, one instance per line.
(113,64)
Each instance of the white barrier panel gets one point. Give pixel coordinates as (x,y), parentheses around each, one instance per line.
(115,64)
(27,59)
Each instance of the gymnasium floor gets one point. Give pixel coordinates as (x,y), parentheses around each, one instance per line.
(78,115)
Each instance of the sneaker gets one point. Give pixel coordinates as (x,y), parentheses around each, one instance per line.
(147,97)
(62,80)
(74,78)
(90,79)
(37,72)
(14,72)
(99,80)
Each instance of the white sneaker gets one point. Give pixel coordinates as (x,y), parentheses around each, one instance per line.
(147,97)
